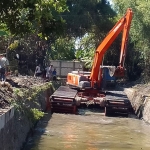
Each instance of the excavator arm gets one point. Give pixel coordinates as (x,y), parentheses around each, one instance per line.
(122,25)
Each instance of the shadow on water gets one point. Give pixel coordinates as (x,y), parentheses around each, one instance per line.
(39,129)
(36,133)
(96,109)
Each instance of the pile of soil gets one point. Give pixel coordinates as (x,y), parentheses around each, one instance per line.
(24,81)
(6,88)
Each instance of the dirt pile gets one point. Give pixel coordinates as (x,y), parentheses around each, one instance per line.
(6,88)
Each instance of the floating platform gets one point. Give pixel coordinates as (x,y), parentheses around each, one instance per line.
(63,100)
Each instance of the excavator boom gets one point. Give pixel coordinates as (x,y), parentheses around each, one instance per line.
(122,24)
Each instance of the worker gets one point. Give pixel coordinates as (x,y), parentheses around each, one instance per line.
(54,73)
(49,72)
(38,71)
(3,66)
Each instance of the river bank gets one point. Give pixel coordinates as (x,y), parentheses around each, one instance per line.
(139,96)
(26,99)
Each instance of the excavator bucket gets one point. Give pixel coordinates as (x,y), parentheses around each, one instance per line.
(119,72)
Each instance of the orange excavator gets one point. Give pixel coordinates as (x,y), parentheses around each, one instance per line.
(86,87)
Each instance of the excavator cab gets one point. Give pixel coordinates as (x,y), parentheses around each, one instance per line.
(81,79)
(108,78)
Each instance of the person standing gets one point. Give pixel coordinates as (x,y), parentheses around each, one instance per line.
(49,72)
(54,74)
(38,71)
(3,66)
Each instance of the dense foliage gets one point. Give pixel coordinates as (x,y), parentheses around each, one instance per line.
(32,15)
(138,58)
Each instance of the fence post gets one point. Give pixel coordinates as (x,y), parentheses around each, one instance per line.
(60,64)
(73,65)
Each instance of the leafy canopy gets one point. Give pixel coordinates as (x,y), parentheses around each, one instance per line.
(32,15)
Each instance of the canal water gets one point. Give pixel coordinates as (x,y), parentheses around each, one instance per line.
(90,130)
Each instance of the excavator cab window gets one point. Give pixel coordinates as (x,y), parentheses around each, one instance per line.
(108,80)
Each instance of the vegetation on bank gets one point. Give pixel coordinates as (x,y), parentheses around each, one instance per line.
(31,102)
(66,30)
(28,102)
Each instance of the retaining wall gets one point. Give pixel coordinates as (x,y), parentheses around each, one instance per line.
(140,101)
(15,125)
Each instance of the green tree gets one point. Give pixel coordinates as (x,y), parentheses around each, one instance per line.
(63,49)
(87,16)
(58,28)
(26,16)
(89,22)
(139,35)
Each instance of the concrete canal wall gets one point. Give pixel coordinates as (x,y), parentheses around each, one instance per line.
(140,101)
(6,128)
(17,121)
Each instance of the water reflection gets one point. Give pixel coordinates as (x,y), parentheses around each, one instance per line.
(90,132)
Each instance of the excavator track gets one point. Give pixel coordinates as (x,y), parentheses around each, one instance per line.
(63,100)
(116,102)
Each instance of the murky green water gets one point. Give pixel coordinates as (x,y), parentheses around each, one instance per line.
(92,131)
